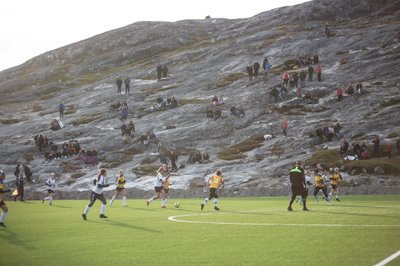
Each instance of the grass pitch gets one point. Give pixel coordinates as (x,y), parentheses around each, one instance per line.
(359,230)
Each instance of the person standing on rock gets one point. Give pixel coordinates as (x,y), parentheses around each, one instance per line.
(19,181)
(339,94)
(215,181)
(97,194)
(299,186)
(310,73)
(120,189)
(250,72)
(302,77)
(285,78)
(256,67)
(319,73)
(127,82)
(335,178)
(61,108)
(119,85)
(285,126)
(376,143)
(51,184)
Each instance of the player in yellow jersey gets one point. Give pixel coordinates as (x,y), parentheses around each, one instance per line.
(320,185)
(335,179)
(120,189)
(165,196)
(3,205)
(216,181)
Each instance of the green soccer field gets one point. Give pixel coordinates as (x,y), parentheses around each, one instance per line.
(359,230)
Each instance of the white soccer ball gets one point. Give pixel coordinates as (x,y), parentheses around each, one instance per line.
(177,204)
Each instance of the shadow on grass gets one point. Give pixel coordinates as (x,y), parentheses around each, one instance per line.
(12,238)
(124,225)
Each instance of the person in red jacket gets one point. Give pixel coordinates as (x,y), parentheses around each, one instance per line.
(285,78)
(318,71)
(339,94)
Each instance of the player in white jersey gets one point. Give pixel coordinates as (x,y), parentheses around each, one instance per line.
(51,184)
(97,193)
(162,173)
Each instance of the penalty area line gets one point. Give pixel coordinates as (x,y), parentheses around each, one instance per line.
(176,218)
(388,259)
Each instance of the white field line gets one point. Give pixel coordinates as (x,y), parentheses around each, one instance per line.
(177,218)
(388,259)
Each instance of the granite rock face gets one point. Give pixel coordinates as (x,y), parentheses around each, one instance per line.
(207,58)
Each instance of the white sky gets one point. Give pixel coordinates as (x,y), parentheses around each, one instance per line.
(31,27)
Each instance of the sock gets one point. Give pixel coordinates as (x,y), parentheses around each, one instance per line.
(102,209)
(330,193)
(87,209)
(3,216)
(50,199)
(46,198)
(124,200)
(205,202)
(112,199)
(150,200)
(316,197)
(304,204)
(215,202)
(163,202)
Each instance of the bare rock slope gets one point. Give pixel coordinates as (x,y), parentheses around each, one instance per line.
(207,58)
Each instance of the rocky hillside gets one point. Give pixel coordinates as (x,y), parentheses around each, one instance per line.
(207,58)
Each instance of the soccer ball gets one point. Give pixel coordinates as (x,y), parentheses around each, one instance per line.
(177,204)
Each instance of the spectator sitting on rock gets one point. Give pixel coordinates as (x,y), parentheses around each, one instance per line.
(339,94)
(273,93)
(336,131)
(205,157)
(237,111)
(344,147)
(130,128)
(350,90)
(356,149)
(124,113)
(214,100)
(319,133)
(174,102)
(54,125)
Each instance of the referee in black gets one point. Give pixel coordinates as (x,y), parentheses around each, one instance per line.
(299,187)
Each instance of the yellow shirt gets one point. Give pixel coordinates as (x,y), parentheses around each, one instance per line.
(335,178)
(215,181)
(121,181)
(319,181)
(1,188)
(166,183)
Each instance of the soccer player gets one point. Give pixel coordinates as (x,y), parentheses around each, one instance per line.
(120,189)
(3,205)
(307,178)
(162,173)
(320,185)
(299,186)
(97,193)
(166,185)
(335,179)
(215,181)
(50,183)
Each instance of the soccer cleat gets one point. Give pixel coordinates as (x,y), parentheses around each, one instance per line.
(337,199)
(216,208)
(290,209)
(305,209)
(125,205)
(202,206)
(103,216)
(147,203)
(84,216)
(163,207)
(2,224)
